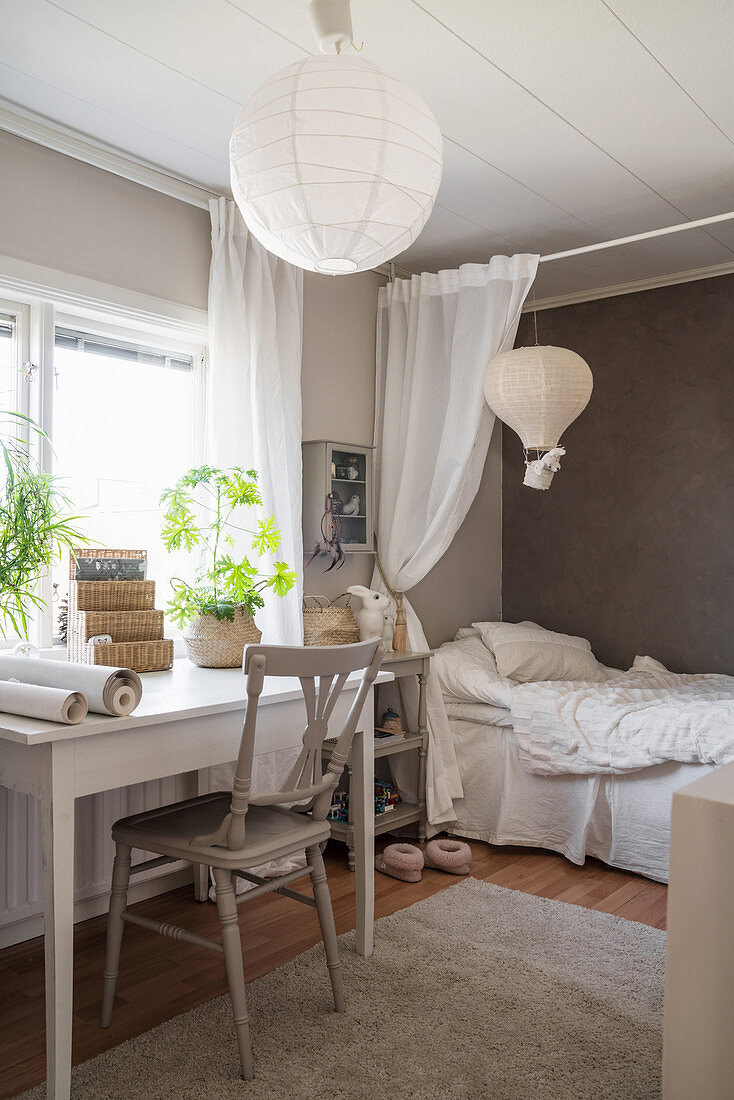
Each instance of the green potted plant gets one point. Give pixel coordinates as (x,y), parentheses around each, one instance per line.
(217,610)
(35,525)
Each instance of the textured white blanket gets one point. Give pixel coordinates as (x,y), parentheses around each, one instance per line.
(633,721)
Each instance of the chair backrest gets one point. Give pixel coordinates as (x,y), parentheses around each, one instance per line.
(323,672)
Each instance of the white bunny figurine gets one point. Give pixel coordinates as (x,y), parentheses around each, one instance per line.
(539,474)
(371,615)
(388,629)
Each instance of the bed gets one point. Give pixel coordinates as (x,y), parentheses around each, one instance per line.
(611,803)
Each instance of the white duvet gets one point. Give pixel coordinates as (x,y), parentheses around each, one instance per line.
(635,720)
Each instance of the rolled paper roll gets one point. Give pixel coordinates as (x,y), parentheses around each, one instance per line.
(115,691)
(50,704)
(123,698)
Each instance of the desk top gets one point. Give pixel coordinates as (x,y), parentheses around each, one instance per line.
(396,655)
(716,787)
(184,691)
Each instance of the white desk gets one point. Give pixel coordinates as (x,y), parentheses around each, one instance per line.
(189,719)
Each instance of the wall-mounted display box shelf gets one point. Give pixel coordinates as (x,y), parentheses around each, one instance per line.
(345,471)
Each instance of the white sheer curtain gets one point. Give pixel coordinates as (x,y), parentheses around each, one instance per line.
(254,420)
(435,336)
(254,389)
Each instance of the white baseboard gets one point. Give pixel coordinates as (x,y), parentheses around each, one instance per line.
(94,900)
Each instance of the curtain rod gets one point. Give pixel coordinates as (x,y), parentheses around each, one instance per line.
(638,237)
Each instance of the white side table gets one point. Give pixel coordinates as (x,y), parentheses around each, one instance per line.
(405,813)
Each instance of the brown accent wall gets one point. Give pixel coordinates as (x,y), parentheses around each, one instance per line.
(633,544)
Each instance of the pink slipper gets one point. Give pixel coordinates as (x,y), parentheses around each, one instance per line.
(448,855)
(403,861)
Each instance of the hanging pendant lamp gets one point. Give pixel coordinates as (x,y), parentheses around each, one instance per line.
(335,165)
(538,392)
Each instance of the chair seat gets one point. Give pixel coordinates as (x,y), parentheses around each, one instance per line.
(270,832)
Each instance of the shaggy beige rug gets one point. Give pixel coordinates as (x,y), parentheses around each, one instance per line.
(477,992)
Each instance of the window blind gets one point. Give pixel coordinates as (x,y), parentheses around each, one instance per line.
(119,349)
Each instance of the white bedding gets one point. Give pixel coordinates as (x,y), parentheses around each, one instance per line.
(467,671)
(582,769)
(635,720)
(623,820)
(484,713)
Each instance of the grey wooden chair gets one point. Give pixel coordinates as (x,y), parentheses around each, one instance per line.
(233,831)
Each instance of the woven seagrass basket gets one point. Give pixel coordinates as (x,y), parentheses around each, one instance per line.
(142,656)
(113,595)
(219,643)
(124,609)
(326,623)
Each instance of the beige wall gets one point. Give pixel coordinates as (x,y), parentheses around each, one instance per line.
(60,213)
(338,384)
(466,585)
(339,315)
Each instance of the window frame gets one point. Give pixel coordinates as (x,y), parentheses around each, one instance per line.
(20,314)
(72,302)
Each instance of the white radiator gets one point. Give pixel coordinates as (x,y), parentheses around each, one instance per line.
(21,876)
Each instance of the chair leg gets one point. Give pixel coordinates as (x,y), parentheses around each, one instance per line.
(227,908)
(322,897)
(115,927)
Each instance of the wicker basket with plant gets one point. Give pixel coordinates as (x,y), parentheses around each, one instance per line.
(217,611)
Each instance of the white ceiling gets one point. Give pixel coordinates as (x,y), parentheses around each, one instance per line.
(565,122)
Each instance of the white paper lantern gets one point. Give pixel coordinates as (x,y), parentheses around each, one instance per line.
(335,166)
(538,392)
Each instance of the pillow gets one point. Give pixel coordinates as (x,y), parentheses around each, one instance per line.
(647,664)
(526,652)
(467,673)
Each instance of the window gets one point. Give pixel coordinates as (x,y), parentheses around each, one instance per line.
(8,362)
(13,382)
(118,390)
(124,427)
(14,396)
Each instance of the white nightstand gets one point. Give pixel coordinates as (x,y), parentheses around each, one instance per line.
(404,813)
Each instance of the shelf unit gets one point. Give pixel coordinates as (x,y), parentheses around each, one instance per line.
(404,813)
(323,462)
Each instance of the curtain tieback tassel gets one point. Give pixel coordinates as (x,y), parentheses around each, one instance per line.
(400,633)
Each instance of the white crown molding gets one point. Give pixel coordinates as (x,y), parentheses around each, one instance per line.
(27,283)
(633,287)
(27,124)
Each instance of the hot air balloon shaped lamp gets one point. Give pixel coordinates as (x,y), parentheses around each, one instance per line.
(538,392)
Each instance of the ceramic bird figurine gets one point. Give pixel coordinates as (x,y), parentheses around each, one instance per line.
(351,508)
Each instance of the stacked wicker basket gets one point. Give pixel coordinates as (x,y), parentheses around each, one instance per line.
(124,609)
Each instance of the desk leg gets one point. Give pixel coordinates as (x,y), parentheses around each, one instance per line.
(363,795)
(57,812)
(201,873)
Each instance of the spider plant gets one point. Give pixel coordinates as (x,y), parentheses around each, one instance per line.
(198,515)
(36,525)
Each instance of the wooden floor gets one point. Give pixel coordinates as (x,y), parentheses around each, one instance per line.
(160,979)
